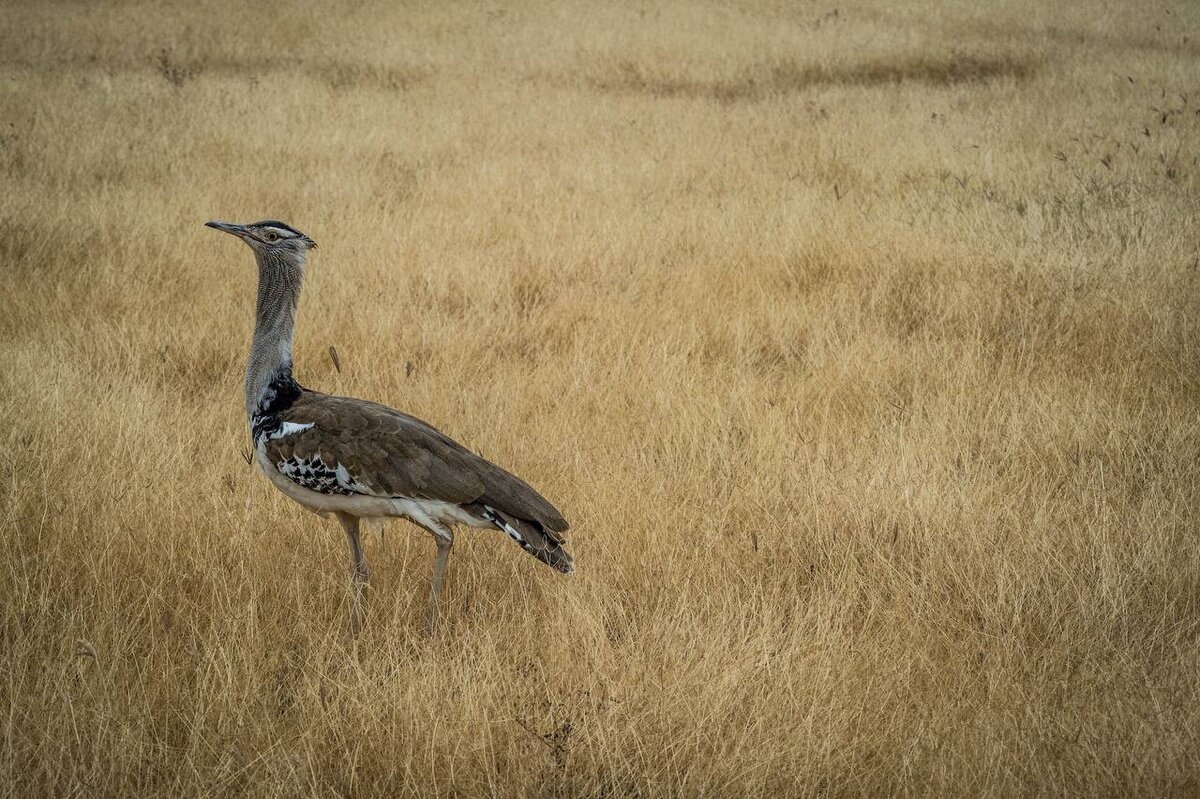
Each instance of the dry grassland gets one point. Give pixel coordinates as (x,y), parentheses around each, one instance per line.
(859,343)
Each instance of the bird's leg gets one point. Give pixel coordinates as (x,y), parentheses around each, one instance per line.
(359,575)
(445,540)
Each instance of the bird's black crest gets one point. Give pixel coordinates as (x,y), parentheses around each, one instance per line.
(278,224)
(275,223)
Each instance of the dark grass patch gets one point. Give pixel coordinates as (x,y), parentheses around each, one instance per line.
(337,74)
(180,69)
(789,76)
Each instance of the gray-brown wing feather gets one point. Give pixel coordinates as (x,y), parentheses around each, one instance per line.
(389,453)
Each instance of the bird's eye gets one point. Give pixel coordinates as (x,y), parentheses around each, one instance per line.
(271,236)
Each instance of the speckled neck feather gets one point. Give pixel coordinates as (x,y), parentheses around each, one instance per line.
(269,379)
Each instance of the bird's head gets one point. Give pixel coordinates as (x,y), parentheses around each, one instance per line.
(270,238)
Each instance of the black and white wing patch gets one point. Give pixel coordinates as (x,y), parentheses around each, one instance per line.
(315,475)
(307,469)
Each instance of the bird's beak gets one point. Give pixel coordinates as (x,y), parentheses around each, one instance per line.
(228,227)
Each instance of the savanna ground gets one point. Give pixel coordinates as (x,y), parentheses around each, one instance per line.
(859,343)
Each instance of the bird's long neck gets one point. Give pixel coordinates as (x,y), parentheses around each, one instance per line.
(269,382)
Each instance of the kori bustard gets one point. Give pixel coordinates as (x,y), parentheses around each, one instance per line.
(355,459)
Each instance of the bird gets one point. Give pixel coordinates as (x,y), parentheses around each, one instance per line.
(358,460)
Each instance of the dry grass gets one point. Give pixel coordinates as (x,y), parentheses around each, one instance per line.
(860,348)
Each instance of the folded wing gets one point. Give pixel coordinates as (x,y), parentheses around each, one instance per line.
(365,448)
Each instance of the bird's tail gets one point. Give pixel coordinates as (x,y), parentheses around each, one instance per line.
(534,539)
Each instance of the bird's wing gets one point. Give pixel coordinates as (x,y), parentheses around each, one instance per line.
(370,449)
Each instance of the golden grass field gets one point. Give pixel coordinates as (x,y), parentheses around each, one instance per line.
(858,342)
